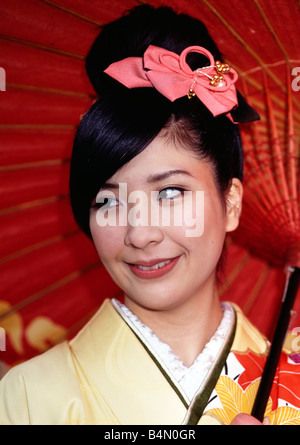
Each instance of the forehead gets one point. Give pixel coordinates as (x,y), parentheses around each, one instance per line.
(161,156)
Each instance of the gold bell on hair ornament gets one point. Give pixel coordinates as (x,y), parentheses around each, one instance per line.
(217,81)
(223,68)
(191,93)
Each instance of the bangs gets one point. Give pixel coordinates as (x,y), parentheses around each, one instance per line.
(115,130)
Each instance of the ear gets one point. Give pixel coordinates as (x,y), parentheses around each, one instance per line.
(234,204)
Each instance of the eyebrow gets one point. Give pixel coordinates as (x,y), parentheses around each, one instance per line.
(110,185)
(165,175)
(152,178)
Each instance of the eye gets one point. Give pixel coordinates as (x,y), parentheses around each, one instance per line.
(105,202)
(170,193)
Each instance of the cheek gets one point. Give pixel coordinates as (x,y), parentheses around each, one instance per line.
(209,229)
(194,214)
(215,224)
(187,216)
(202,216)
(108,240)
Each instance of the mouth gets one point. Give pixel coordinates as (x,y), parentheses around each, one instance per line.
(155,268)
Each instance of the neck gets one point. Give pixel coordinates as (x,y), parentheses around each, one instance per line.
(185,328)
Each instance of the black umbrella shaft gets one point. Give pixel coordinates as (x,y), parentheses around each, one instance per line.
(267,378)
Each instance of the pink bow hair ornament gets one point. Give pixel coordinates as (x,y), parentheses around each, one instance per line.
(170,74)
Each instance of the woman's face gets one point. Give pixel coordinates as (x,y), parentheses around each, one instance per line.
(161,230)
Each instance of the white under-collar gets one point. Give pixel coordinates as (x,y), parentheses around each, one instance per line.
(188,378)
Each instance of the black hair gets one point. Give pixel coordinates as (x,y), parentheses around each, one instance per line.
(130,36)
(122,122)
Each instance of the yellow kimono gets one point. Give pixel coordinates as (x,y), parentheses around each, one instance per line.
(106,375)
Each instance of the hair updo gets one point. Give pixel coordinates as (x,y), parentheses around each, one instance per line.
(123,122)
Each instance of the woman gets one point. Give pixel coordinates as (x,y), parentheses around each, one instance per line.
(156,183)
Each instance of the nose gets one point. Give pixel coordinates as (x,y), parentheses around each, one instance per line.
(143,236)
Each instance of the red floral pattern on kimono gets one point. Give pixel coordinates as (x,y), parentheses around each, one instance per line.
(236,393)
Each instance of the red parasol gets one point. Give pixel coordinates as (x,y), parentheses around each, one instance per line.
(51,278)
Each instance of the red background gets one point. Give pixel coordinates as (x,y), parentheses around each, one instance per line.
(51,279)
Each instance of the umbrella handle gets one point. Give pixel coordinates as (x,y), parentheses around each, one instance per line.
(269,371)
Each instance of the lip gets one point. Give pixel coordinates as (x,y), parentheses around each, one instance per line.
(154,273)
